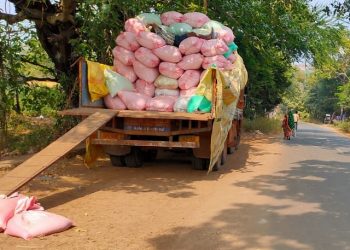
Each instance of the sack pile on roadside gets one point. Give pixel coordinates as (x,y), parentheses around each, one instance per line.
(150,73)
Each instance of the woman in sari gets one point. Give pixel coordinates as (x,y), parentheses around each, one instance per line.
(286,129)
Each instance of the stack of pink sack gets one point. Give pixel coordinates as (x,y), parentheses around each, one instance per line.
(165,76)
(22,216)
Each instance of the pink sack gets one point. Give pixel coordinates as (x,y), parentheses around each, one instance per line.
(161,103)
(170,70)
(167,92)
(168,53)
(145,73)
(232,58)
(226,35)
(189,79)
(127,40)
(114,102)
(7,209)
(195,19)
(214,47)
(150,40)
(171,17)
(193,61)
(191,45)
(188,92)
(220,61)
(126,71)
(134,25)
(34,223)
(133,100)
(145,88)
(125,56)
(146,57)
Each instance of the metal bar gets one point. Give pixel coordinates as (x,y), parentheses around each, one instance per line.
(162,144)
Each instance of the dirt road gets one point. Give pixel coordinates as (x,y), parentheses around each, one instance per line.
(271,194)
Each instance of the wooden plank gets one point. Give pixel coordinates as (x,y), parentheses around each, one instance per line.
(22,174)
(157,133)
(141,114)
(141,143)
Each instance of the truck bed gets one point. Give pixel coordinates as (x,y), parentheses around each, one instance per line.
(141,114)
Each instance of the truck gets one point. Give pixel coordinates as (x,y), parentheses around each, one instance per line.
(132,137)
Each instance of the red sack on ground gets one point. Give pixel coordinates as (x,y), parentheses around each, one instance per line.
(134,25)
(150,40)
(170,70)
(195,19)
(188,92)
(125,56)
(168,53)
(193,61)
(191,45)
(189,79)
(171,17)
(145,88)
(145,73)
(161,103)
(146,57)
(34,223)
(114,102)
(214,47)
(133,100)
(127,40)
(126,71)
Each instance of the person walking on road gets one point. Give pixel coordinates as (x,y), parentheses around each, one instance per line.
(296,120)
(286,129)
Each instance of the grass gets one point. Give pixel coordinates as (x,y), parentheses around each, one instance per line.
(343,126)
(263,124)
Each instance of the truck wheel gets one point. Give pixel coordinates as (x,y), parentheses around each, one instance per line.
(149,155)
(198,163)
(134,159)
(117,160)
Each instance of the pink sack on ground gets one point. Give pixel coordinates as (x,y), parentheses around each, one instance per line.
(167,92)
(125,56)
(146,57)
(171,17)
(27,203)
(193,61)
(34,223)
(168,53)
(188,92)
(150,40)
(195,19)
(114,102)
(126,71)
(7,209)
(214,47)
(220,61)
(226,35)
(161,103)
(145,88)
(189,79)
(133,100)
(191,45)
(127,40)
(170,70)
(134,25)
(145,73)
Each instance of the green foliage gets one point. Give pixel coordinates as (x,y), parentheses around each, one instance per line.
(344,126)
(344,95)
(263,124)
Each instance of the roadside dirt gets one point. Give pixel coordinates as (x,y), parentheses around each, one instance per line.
(141,208)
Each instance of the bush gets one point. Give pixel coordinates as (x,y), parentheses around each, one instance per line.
(344,126)
(263,124)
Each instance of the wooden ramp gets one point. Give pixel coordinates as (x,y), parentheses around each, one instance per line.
(25,172)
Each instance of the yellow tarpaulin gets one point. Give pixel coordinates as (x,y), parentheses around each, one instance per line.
(96,80)
(228,87)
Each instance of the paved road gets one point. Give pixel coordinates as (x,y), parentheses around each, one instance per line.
(271,194)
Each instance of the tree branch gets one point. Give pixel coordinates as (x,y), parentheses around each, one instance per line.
(23,59)
(11,19)
(34,78)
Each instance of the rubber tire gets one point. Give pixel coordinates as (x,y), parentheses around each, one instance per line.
(117,160)
(134,159)
(150,155)
(198,163)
